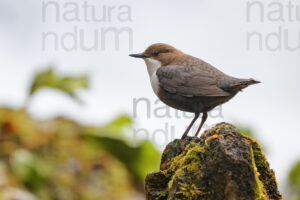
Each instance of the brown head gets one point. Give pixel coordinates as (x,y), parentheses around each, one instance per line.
(164,53)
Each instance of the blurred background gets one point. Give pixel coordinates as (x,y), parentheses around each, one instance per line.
(78,118)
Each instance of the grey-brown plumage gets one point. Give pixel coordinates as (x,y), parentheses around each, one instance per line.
(188,83)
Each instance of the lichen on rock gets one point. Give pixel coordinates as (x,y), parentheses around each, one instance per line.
(220,165)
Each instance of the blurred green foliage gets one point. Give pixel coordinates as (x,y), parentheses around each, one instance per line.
(133,156)
(67,84)
(246,131)
(294,181)
(60,159)
(294,176)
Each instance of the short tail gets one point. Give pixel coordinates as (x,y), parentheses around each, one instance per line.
(246,82)
(250,81)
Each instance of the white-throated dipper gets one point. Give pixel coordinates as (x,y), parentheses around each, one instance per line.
(188,83)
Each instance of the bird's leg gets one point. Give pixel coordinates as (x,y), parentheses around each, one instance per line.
(190,126)
(204,117)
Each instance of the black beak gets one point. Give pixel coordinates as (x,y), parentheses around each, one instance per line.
(138,55)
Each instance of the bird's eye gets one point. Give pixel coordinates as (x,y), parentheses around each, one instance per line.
(155,54)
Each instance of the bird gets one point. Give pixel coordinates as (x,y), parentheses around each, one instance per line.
(187,83)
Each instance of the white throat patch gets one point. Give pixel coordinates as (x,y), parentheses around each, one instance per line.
(152,66)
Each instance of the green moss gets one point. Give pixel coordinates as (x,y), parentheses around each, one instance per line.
(188,161)
(189,154)
(214,137)
(266,175)
(260,192)
(190,191)
(221,164)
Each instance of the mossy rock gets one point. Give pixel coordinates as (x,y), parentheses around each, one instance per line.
(220,165)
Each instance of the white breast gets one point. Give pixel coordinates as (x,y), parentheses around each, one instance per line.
(152,66)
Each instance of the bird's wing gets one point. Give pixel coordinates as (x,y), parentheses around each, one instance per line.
(189,81)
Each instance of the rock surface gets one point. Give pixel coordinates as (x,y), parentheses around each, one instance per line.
(220,165)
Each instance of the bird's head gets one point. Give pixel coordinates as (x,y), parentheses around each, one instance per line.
(163,53)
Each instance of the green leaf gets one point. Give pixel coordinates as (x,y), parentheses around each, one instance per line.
(148,159)
(246,131)
(120,121)
(113,129)
(139,160)
(67,84)
(294,177)
(117,126)
(24,166)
